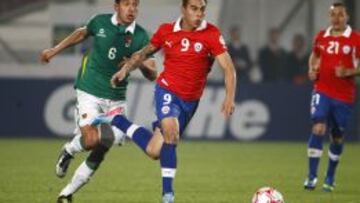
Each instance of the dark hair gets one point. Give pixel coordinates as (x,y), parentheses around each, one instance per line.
(338,4)
(185,2)
(118,1)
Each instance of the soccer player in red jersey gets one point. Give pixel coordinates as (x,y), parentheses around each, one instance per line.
(332,67)
(190,45)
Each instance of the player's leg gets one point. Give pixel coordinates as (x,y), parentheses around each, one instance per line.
(175,114)
(149,142)
(319,113)
(167,111)
(339,119)
(86,136)
(84,172)
(108,136)
(168,157)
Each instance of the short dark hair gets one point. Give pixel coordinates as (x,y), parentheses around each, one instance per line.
(118,1)
(338,4)
(185,2)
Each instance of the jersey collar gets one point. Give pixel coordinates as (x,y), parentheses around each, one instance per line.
(177,26)
(130,28)
(346,33)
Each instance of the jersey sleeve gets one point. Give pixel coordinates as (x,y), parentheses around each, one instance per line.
(90,25)
(157,39)
(358,45)
(217,43)
(316,45)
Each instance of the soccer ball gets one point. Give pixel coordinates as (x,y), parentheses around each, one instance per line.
(267,195)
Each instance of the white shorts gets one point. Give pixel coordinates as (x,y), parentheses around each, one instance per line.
(89,106)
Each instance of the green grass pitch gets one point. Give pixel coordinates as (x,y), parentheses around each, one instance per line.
(208,172)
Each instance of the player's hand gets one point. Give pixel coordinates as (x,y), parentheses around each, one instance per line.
(313,73)
(119,76)
(46,55)
(342,72)
(228,107)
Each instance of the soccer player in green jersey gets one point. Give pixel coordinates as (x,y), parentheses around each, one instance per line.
(116,37)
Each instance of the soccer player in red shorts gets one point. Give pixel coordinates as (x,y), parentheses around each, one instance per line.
(190,45)
(332,67)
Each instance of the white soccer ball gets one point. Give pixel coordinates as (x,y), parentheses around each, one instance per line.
(267,195)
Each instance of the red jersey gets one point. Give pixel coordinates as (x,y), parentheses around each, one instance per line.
(187,57)
(335,51)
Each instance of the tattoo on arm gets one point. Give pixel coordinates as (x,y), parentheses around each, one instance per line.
(138,57)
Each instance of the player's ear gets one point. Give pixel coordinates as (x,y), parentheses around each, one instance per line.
(347,18)
(116,6)
(182,9)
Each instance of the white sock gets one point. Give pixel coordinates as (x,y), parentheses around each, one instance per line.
(74,146)
(81,177)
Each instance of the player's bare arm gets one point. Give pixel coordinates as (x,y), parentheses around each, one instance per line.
(314,62)
(133,63)
(227,65)
(76,37)
(148,69)
(343,72)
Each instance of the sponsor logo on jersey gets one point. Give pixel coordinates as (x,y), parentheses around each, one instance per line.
(198,46)
(168,43)
(346,49)
(165,109)
(101,33)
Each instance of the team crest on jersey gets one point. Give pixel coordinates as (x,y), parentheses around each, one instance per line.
(346,49)
(165,109)
(128,40)
(101,33)
(198,46)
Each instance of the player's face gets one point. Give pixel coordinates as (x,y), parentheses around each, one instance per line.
(194,13)
(127,10)
(338,18)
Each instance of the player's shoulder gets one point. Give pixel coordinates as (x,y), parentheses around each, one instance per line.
(101,17)
(320,34)
(355,33)
(167,27)
(140,29)
(212,28)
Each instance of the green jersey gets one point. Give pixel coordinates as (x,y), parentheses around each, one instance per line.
(112,42)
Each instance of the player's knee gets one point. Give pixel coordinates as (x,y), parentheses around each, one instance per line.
(98,153)
(91,137)
(171,134)
(152,152)
(319,129)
